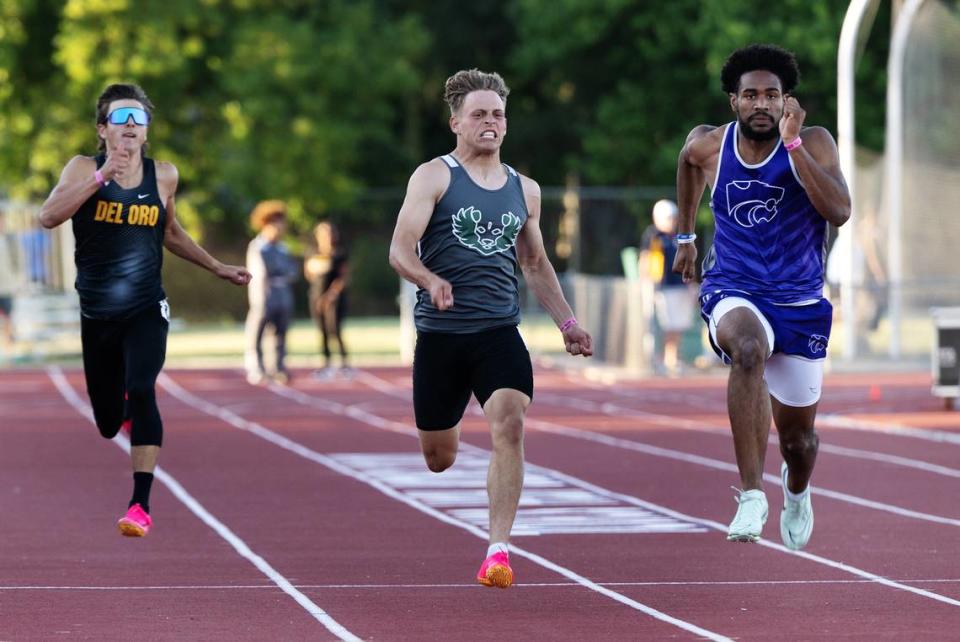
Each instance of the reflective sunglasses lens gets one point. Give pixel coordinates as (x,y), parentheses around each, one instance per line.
(122,115)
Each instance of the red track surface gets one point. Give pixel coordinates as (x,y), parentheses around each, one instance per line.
(384,566)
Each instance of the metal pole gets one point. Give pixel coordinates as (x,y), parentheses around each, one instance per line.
(894,167)
(846,142)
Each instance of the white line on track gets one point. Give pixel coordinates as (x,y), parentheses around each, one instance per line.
(60,381)
(830,419)
(386,386)
(236,421)
(247,587)
(717,430)
(900,430)
(629,444)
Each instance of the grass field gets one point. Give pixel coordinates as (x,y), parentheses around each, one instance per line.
(377,341)
(370,341)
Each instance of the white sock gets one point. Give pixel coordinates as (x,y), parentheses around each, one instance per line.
(497,547)
(796,497)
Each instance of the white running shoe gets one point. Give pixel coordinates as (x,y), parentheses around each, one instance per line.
(796,519)
(750,517)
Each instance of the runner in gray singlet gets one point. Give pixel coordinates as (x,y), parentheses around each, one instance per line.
(466,223)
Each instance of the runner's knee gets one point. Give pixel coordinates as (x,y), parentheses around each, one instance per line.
(109,425)
(800,443)
(146,428)
(508,432)
(439,459)
(749,353)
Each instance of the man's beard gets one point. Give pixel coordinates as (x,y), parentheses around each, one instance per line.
(759,136)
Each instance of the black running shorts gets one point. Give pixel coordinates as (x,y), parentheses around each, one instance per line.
(448,367)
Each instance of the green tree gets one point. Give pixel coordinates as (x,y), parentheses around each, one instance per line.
(254,98)
(618,84)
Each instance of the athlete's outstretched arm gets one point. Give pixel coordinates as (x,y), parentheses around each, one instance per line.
(691,181)
(177,240)
(426,186)
(540,276)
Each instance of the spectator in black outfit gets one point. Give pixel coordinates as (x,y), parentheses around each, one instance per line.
(328,272)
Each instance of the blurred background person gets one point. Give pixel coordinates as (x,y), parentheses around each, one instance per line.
(673,302)
(8,284)
(328,273)
(35,246)
(270,293)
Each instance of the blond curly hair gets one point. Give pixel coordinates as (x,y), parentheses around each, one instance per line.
(265,212)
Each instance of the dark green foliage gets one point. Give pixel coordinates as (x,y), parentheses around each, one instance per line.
(331,105)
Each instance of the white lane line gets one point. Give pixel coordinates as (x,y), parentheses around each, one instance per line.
(248,587)
(723,528)
(617,410)
(900,430)
(831,419)
(236,421)
(60,381)
(629,444)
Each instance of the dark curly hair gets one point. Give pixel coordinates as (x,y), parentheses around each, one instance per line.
(772,58)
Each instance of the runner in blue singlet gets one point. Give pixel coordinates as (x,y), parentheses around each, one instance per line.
(776,186)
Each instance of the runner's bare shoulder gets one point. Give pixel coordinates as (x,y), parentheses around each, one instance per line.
(702,144)
(432,177)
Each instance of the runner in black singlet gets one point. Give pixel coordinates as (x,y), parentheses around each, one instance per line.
(122,207)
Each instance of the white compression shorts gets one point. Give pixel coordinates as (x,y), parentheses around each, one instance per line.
(791,380)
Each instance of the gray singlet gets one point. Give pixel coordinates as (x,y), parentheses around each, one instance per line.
(471,242)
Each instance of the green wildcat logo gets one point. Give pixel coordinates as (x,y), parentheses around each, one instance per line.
(473,232)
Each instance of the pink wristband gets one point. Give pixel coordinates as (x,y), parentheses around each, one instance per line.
(99,176)
(569,323)
(793,144)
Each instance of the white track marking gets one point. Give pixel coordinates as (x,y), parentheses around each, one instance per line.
(721,527)
(830,419)
(718,430)
(927,434)
(247,587)
(236,421)
(629,444)
(60,381)
(548,505)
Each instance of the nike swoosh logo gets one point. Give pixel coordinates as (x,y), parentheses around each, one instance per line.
(143,195)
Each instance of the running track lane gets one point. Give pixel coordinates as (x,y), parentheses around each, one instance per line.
(65,567)
(611,558)
(426,565)
(897,546)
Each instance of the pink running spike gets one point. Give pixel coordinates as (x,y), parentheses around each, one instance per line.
(496,571)
(136,523)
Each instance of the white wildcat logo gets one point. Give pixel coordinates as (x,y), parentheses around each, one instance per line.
(817,343)
(753,202)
